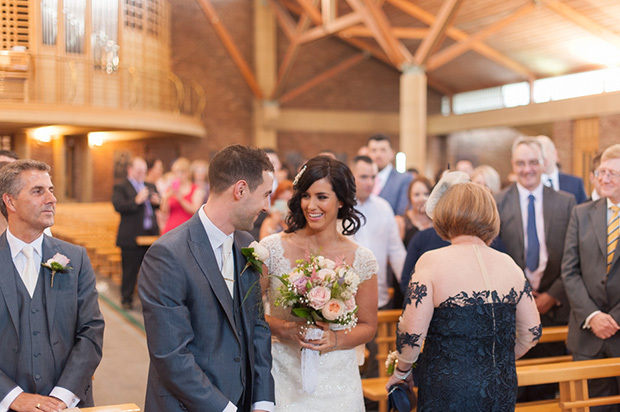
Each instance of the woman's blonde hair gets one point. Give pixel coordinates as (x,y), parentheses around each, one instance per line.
(467,209)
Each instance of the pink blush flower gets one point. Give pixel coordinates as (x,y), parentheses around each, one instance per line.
(350,304)
(318,297)
(333,309)
(60,259)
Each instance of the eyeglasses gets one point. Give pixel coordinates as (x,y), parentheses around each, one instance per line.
(530,163)
(613,174)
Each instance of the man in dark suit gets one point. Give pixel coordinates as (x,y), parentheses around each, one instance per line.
(51,329)
(209,344)
(389,184)
(533,222)
(591,273)
(557,180)
(136,201)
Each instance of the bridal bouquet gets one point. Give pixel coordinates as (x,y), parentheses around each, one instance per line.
(318,289)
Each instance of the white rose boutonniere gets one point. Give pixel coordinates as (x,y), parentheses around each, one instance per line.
(56,264)
(256,254)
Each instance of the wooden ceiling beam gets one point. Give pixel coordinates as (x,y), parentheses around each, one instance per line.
(231,47)
(329,11)
(481,48)
(584,22)
(328,74)
(341,23)
(311,10)
(375,52)
(411,33)
(287,23)
(452,52)
(437,32)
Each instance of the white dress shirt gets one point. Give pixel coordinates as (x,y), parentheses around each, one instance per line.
(19,260)
(535,276)
(216,238)
(552,179)
(380,235)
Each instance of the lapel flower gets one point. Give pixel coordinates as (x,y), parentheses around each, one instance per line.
(58,263)
(255,254)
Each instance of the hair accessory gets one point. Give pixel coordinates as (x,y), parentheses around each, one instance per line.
(301,172)
(448,179)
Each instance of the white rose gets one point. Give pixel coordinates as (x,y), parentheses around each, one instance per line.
(318,297)
(329,264)
(260,252)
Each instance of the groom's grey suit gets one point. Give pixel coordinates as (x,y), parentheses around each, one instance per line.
(205,348)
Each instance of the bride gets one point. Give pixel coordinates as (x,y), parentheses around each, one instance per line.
(324,193)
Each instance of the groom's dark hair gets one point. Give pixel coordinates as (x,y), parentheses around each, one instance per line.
(238,162)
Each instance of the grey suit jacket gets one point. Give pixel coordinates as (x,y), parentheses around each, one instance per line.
(584,267)
(193,342)
(557,207)
(74,321)
(395,191)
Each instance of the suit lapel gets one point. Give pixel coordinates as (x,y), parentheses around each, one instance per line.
(201,249)
(547,203)
(8,287)
(515,222)
(48,250)
(598,217)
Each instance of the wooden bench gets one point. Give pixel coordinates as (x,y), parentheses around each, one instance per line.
(126,407)
(387,320)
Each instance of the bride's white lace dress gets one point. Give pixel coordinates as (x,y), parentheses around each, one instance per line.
(339,386)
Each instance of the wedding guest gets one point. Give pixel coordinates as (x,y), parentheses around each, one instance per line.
(596,186)
(389,184)
(183,197)
(464,296)
(51,329)
(553,178)
(415,219)
(136,201)
(8,156)
(488,177)
(591,274)
(209,345)
(465,166)
(534,219)
(200,176)
(324,193)
(275,222)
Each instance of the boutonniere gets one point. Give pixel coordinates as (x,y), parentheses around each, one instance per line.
(255,254)
(57,264)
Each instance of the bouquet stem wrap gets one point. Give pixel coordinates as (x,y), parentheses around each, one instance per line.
(310,362)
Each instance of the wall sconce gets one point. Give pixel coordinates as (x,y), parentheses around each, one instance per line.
(96,139)
(44,134)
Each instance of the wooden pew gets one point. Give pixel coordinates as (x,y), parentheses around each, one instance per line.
(126,407)
(387,320)
(573,379)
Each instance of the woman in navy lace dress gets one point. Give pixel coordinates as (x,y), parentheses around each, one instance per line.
(470,305)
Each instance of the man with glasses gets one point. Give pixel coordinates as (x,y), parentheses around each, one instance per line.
(591,273)
(533,222)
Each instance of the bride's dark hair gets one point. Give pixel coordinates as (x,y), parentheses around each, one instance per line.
(343,184)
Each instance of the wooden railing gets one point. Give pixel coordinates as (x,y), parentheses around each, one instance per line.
(126,407)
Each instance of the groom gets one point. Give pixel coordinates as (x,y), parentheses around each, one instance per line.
(209,344)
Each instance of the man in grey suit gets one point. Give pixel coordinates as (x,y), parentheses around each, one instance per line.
(209,344)
(51,329)
(389,184)
(533,222)
(591,273)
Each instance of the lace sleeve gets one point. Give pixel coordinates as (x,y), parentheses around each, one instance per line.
(365,263)
(273,245)
(528,323)
(416,317)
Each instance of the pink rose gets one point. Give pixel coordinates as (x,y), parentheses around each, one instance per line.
(325,273)
(333,309)
(60,259)
(318,297)
(350,304)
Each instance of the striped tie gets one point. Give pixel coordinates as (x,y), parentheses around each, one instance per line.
(612,235)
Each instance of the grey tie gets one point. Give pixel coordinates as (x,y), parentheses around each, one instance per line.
(228,264)
(30,274)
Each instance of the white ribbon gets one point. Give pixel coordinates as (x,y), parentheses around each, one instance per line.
(310,362)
